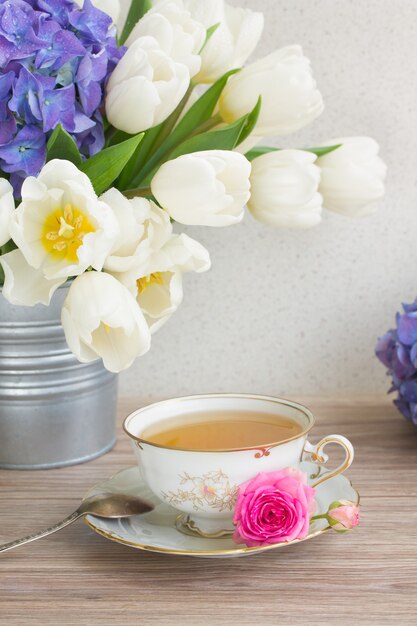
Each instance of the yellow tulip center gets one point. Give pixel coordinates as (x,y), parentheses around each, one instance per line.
(151,279)
(63,232)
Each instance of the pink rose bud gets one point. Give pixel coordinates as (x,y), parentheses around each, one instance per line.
(273,507)
(343,515)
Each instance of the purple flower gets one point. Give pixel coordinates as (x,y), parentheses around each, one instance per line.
(57,106)
(397,350)
(55,59)
(91,72)
(18,23)
(59,47)
(394,355)
(27,95)
(91,23)
(59,10)
(26,153)
(408,409)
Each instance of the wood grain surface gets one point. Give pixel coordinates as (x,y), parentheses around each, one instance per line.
(368,576)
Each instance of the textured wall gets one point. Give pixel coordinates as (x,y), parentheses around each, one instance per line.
(299,312)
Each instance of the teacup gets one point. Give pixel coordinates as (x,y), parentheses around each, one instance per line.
(202,484)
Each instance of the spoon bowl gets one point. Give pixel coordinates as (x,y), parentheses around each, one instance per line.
(111,505)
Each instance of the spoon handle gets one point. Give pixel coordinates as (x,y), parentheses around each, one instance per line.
(42,533)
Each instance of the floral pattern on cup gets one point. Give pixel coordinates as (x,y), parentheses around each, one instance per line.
(213,489)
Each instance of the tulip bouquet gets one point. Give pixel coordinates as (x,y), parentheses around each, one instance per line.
(117,122)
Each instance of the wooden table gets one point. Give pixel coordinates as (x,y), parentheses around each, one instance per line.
(368,576)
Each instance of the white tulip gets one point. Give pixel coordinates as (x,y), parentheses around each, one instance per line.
(179,36)
(6,210)
(290,98)
(111,7)
(143,229)
(61,227)
(145,87)
(284,189)
(233,42)
(352,177)
(25,285)
(159,290)
(102,319)
(208,188)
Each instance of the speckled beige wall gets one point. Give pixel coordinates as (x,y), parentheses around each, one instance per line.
(298,312)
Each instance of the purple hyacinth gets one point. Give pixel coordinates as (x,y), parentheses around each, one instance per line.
(397,350)
(55,59)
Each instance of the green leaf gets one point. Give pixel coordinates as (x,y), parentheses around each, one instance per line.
(323,150)
(225,138)
(7,247)
(259,151)
(138,158)
(105,166)
(62,146)
(201,110)
(252,118)
(198,114)
(138,8)
(209,33)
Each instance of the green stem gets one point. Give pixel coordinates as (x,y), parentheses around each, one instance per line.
(110,133)
(322,516)
(172,120)
(143,192)
(207,125)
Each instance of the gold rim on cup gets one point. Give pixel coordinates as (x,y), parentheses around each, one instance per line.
(244,396)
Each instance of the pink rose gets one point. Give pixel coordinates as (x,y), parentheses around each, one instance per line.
(273,507)
(343,515)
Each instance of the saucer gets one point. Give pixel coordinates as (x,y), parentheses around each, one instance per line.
(156,531)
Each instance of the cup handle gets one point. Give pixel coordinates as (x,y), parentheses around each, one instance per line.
(317,455)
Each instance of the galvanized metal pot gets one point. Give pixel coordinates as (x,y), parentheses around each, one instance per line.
(54,411)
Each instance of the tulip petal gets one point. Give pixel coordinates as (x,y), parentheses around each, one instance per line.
(284,189)
(207,188)
(25,285)
(352,177)
(101,318)
(284,80)
(145,87)
(6,210)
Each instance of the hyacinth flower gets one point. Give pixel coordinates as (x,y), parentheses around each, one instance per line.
(397,350)
(55,59)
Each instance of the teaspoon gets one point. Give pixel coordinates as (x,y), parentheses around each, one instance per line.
(107,505)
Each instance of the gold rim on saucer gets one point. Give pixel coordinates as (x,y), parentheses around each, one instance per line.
(239,549)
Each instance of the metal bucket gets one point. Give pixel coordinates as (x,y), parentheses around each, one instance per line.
(54,411)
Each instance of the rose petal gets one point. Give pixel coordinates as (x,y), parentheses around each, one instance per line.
(273,507)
